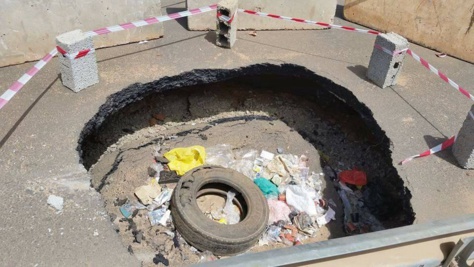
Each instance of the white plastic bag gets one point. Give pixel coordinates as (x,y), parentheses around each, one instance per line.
(300,199)
(220,155)
(230,212)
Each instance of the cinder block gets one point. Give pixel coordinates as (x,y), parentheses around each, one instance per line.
(226,23)
(463,148)
(316,10)
(80,73)
(384,67)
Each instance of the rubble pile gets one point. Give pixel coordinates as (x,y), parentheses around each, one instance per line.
(294,195)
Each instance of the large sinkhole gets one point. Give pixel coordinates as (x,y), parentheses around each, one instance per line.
(270,107)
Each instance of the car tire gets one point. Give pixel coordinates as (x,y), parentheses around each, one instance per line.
(206,234)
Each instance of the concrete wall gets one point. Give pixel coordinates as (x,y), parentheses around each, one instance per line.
(443,25)
(28,27)
(317,10)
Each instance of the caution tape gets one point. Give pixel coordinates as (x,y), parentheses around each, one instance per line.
(225,18)
(149,21)
(433,150)
(76,55)
(16,86)
(440,74)
(437,148)
(388,51)
(324,24)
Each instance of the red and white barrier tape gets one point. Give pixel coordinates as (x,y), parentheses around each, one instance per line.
(332,26)
(15,87)
(149,21)
(225,18)
(76,55)
(437,148)
(440,74)
(433,150)
(388,51)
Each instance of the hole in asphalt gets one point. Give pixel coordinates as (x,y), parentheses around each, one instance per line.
(261,107)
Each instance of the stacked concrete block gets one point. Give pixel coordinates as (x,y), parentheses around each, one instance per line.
(387,59)
(226,23)
(463,148)
(77,73)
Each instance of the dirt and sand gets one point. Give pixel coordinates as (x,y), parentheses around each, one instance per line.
(328,133)
(137,155)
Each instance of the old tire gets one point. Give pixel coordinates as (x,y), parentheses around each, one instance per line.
(206,234)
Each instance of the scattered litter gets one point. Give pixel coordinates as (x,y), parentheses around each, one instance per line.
(143,42)
(171,234)
(357,218)
(207,256)
(440,54)
(96,233)
(300,198)
(159,216)
(354,177)
(146,193)
(163,197)
(220,155)
(326,218)
(127,210)
(267,155)
(253,33)
(293,192)
(271,235)
(184,159)
(269,189)
(279,211)
(164,220)
(56,202)
(304,223)
(231,213)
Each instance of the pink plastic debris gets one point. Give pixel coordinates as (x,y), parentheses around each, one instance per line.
(279,210)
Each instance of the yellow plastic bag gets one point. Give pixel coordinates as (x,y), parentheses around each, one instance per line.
(183,159)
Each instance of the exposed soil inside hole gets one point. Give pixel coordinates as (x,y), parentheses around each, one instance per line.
(284,105)
(132,156)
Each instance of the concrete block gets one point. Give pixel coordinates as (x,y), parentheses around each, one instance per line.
(384,67)
(317,10)
(80,73)
(438,25)
(463,148)
(28,27)
(226,23)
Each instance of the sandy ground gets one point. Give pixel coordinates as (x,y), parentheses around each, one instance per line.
(136,156)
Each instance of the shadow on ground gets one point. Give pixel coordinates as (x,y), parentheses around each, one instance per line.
(446,155)
(27,111)
(360,71)
(182,21)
